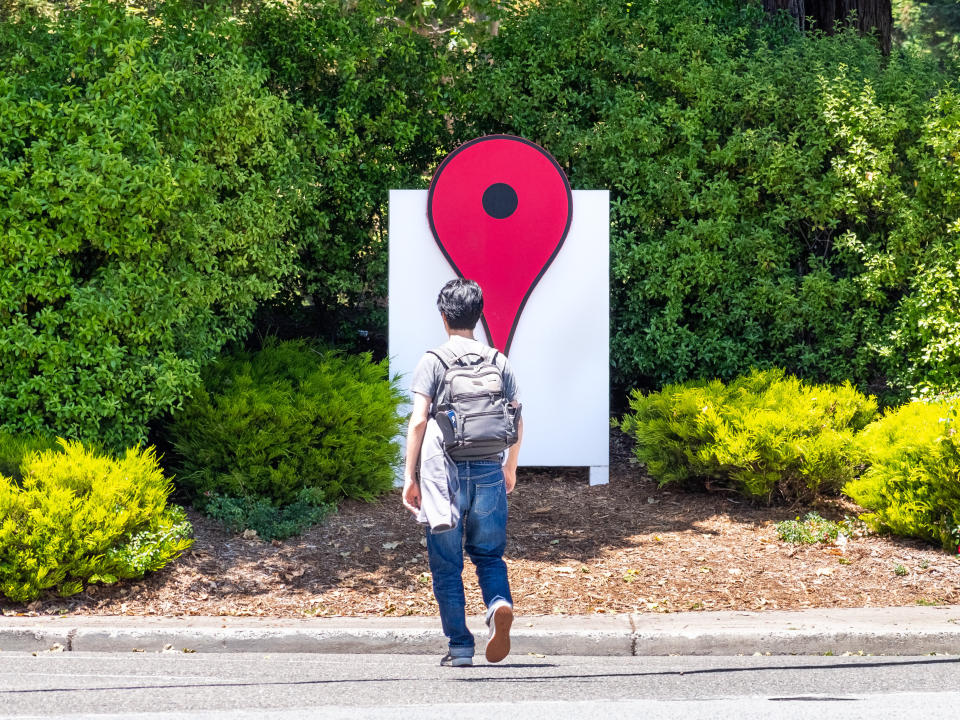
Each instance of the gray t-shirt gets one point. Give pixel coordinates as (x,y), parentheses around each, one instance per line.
(428,375)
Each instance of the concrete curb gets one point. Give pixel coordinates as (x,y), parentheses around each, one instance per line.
(877,631)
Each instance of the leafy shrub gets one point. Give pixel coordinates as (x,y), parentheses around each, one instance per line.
(261,515)
(290,418)
(924,344)
(372,97)
(79,516)
(143,177)
(762,433)
(763,204)
(816,529)
(912,480)
(929,26)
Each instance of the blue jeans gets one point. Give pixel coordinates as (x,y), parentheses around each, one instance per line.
(482,531)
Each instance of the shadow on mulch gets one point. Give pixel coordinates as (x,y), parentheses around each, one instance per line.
(571,548)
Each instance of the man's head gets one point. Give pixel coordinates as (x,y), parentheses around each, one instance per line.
(461,301)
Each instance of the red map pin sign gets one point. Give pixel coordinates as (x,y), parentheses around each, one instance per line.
(500,208)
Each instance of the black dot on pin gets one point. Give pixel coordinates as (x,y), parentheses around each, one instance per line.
(499,201)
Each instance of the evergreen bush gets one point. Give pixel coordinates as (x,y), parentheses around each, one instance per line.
(291,423)
(911,483)
(764,434)
(144,177)
(80,517)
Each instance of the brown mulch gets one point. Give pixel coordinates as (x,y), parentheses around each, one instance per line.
(623,547)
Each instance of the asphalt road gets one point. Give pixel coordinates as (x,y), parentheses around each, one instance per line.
(247,686)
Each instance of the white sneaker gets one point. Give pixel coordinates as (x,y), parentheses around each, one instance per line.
(449,660)
(499,620)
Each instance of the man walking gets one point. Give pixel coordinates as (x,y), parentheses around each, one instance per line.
(481,485)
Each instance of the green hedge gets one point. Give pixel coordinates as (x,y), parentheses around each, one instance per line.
(81,517)
(773,192)
(765,434)
(143,173)
(778,198)
(912,479)
(292,425)
(923,257)
(373,97)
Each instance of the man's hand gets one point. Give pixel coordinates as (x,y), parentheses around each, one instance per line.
(415,430)
(513,458)
(509,478)
(411,495)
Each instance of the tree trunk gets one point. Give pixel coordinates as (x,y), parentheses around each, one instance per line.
(871,15)
(796,8)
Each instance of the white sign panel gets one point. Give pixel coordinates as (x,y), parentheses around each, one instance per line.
(560,349)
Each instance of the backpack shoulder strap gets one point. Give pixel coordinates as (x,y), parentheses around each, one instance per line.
(448,358)
(445,355)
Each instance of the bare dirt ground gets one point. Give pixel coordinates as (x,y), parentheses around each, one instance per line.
(624,547)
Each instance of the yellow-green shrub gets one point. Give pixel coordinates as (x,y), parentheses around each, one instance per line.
(79,516)
(761,433)
(14,448)
(912,484)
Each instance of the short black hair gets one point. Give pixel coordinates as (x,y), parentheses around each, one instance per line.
(461,302)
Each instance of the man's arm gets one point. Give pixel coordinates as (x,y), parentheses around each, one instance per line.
(513,457)
(415,430)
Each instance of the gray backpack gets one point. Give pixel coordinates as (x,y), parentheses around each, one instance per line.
(475,418)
